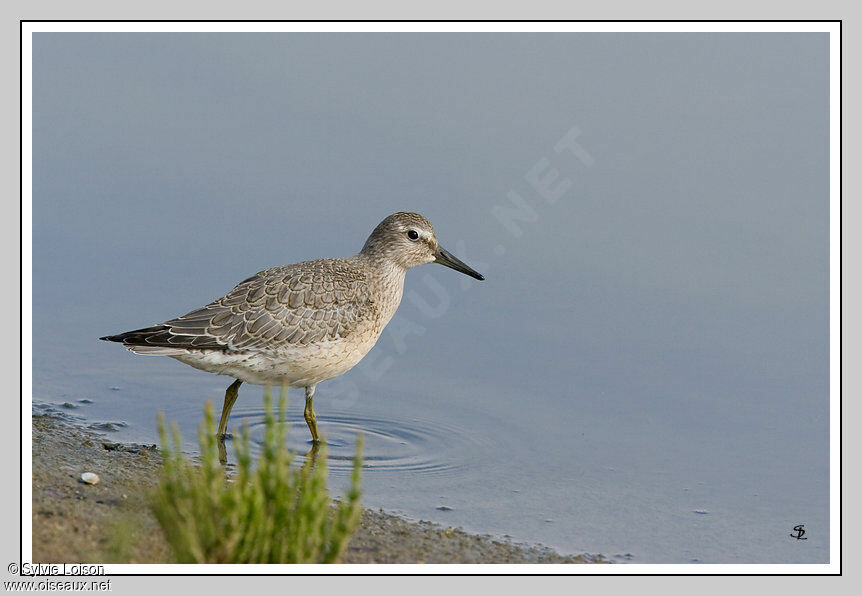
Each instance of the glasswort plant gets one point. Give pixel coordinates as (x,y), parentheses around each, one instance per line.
(267,512)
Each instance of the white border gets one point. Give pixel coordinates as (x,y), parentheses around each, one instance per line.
(26,292)
(832,28)
(430,26)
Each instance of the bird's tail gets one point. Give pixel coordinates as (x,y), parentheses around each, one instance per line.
(138,336)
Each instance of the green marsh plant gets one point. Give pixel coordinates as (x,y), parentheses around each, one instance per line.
(266,512)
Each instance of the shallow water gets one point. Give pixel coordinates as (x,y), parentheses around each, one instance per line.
(643,374)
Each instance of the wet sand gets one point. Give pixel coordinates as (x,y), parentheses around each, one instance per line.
(110,521)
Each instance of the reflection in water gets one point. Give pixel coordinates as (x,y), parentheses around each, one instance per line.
(410,445)
(310,458)
(222,451)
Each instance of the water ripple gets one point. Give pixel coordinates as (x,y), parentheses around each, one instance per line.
(413,445)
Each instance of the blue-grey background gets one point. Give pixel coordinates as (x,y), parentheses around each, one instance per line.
(645,369)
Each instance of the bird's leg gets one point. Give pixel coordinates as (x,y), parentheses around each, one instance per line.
(229,398)
(310,418)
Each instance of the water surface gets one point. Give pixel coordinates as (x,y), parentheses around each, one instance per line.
(645,369)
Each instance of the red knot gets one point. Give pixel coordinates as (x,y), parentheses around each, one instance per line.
(301,324)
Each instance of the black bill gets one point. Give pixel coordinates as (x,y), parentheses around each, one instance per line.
(444,257)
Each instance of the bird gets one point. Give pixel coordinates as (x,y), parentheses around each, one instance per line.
(298,325)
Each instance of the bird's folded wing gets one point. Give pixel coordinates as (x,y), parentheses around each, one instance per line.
(293,305)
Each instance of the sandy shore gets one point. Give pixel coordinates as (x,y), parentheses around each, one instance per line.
(110,521)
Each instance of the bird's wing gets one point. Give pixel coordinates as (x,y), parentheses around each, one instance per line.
(294,305)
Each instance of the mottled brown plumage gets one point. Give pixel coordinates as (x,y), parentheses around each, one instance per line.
(310,302)
(300,324)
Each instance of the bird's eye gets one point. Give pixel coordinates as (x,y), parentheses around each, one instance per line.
(413,235)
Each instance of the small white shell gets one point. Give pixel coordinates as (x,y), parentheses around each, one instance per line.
(89,478)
